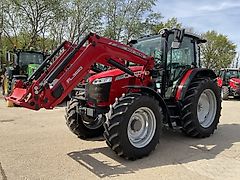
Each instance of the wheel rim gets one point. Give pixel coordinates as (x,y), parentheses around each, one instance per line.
(93,124)
(206,108)
(141,127)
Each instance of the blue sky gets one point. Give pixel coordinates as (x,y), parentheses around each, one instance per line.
(203,15)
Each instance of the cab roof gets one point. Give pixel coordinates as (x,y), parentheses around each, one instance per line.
(195,36)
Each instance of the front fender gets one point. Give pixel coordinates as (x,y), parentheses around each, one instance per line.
(152,92)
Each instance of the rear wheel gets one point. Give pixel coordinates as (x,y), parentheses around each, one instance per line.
(201,108)
(133,126)
(224,92)
(81,125)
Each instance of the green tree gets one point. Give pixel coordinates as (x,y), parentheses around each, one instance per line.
(1,33)
(218,52)
(124,19)
(83,17)
(36,16)
(170,24)
(11,22)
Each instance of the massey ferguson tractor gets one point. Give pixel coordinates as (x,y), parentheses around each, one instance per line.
(154,81)
(229,81)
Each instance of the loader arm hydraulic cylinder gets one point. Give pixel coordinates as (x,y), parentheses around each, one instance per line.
(64,63)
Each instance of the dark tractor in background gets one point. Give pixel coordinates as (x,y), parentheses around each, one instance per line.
(21,64)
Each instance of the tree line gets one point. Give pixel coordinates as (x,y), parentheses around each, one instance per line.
(43,24)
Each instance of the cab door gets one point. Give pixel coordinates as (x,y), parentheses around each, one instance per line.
(179,61)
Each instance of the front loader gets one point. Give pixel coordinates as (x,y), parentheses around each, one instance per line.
(156,81)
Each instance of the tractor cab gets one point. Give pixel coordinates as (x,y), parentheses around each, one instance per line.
(25,62)
(30,60)
(174,55)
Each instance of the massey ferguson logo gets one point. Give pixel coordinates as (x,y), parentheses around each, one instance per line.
(74,74)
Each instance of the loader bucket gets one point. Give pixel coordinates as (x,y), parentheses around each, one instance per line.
(16,95)
(19,96)
(22,94)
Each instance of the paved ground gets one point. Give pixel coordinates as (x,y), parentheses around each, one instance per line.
(38,145)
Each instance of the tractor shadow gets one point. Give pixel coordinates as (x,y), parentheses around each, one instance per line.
(174,148)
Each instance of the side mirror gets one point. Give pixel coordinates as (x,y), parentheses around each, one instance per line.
(177,39)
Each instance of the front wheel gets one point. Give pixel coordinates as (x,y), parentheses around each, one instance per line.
(201,108)
(133,125)
(82,126)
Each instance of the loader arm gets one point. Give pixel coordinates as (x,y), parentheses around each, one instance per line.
(57,76)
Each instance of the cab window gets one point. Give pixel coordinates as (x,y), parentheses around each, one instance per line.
(184,55)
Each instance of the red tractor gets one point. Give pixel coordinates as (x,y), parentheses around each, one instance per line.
(229,81)
(154,81)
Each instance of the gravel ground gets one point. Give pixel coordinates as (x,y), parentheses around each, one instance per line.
(38,145)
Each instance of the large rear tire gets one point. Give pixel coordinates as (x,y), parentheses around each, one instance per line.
(133,126)
(77,122)
(225,93)
(201,108)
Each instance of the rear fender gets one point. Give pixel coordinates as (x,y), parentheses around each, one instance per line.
(157,96)
(187,79)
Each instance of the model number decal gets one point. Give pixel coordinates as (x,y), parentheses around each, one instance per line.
(125,75)
(74,74)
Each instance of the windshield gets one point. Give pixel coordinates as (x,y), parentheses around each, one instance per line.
(26,58)
(151,47)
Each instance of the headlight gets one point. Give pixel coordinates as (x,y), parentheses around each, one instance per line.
(102,80)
